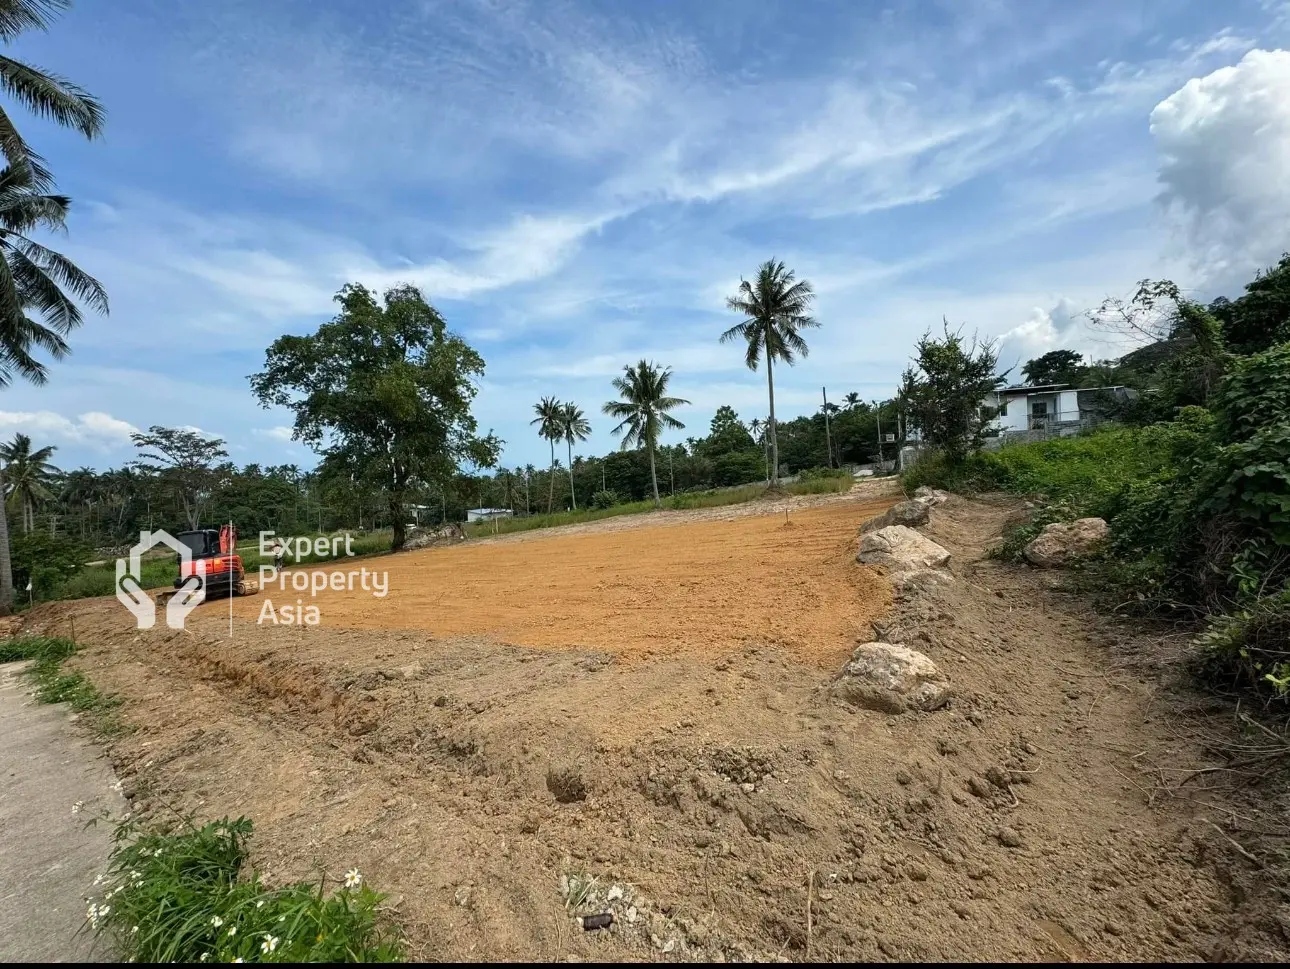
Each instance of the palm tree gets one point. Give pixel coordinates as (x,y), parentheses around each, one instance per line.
(576,427)
(757,427)
(852,400)
(31,276)
(775,308)
(44,94)
(550,422)
(643,410)
(28,477)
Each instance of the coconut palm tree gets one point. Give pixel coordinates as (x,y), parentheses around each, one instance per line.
(44,94)
(775,309)
(29,477)
(31,276)
(852,400)
(575,427)
(757,427)
(550,425)
(643,410)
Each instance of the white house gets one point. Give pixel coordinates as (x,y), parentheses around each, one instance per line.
(1051,406)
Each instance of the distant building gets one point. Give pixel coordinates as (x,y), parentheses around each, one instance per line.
(1053,408)
(487,514)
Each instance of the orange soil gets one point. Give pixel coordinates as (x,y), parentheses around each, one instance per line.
(717,586)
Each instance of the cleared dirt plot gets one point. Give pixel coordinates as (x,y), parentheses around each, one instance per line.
(640,717)
(717,585)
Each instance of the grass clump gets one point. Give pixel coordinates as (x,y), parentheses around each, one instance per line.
(189,895)
(53,685)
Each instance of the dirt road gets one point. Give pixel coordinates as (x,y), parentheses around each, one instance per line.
(650,707)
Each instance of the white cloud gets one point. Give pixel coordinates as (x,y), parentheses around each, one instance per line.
(1224,144)
(94,428)
(276,433)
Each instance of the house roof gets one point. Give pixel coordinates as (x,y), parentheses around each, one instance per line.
(1018,389)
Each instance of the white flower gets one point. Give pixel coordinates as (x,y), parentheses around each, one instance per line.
(353,878)
(216,921)
(76,808)
(134,930)
(232,930)
(269,944)
(203,956)
(260,904)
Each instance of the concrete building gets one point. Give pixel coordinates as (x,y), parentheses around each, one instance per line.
(1056,408)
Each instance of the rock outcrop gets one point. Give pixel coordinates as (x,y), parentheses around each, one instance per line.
(901,549)
(1061,543)
(892,678)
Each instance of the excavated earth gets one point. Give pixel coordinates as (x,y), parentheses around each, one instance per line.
(647,704)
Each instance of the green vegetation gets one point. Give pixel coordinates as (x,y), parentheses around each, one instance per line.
(642,410)
(55,686)
(384,391)
(1195,487)
(188,895)
(776,307)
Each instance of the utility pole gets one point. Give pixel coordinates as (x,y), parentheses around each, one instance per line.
(877,409)
(828,437)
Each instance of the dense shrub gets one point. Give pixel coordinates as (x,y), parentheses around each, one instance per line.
(605,498)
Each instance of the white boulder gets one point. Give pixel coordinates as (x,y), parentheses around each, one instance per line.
(1061,543)
(901,549)
(892,678)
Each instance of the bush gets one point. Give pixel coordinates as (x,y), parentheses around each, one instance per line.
(738,467)
(45,561)
(605,498)
(185,896)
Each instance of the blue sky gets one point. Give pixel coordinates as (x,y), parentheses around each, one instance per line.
(578,185)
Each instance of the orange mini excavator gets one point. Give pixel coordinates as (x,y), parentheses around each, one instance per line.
(216,553)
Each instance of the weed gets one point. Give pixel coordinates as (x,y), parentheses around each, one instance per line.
(186,895)
(53,685)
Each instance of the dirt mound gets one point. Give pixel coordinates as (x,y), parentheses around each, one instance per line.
(720,802)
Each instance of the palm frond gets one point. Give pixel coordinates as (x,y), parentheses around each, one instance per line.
(19,15)
(40,292)
(50,96)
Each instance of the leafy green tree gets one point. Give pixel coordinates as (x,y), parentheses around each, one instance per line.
(29,476)
(776,308)
(944,388)
(574,426)
(384,392)
(550,425)
(1054,367)
(726,433)
(642,410)
(184,461)
(1260,318)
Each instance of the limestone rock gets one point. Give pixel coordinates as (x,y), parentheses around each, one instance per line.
(901,549)
(907,513)
(921,581)
(930,496)
(1060,543)
(892,679)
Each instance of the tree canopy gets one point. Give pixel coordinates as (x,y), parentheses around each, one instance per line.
(384,392)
